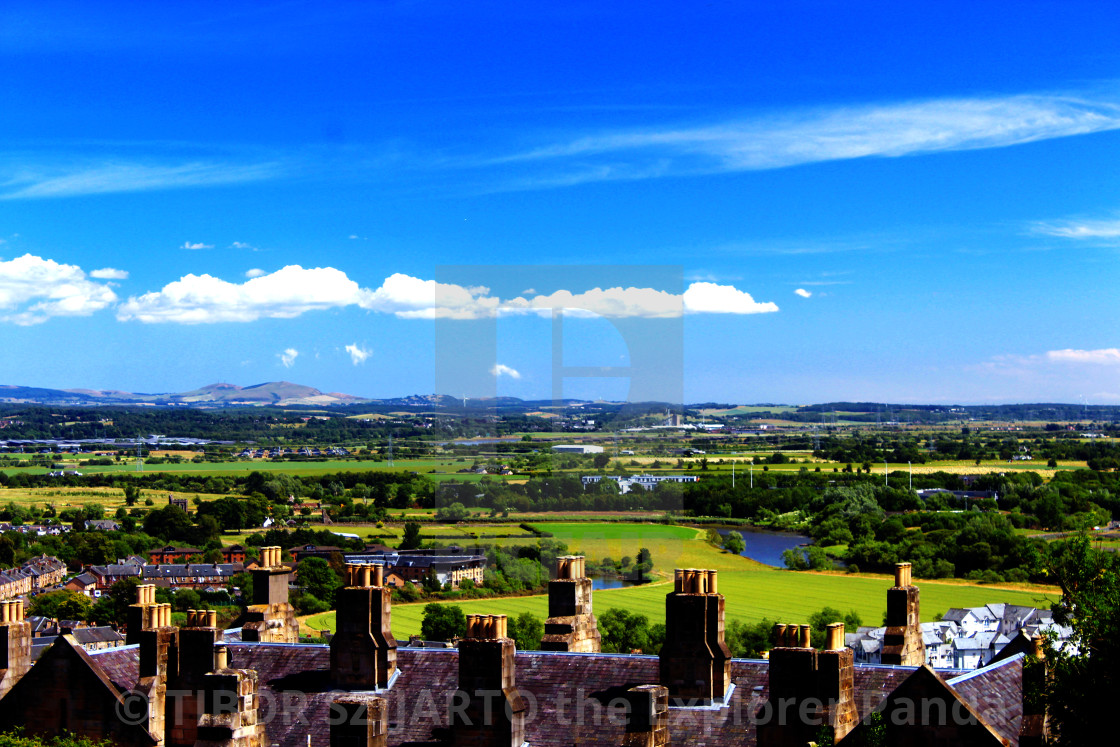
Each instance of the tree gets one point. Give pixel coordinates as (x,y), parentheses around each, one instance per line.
(455,512)
(599,461)
(411,538)
(733,543)
(131,494)
(526,631)
(61,605)
(624,631)
(1085,677)
(315,577)
(443,622)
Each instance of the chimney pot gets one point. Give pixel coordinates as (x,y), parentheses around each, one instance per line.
(806,633)
(835,640)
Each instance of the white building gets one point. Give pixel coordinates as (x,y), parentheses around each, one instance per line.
(578,449)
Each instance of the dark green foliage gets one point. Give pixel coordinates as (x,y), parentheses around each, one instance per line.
(410,540)
(526,630)
(61,605)
(1083,685)
(443,622)
(316,578)
(624,631)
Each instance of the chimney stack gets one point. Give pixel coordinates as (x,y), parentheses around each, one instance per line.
(363,648)
(571,625)
(809,689)
(902,643)
(695,661)
(270,618)
(486,668)
(139,615)
(358,721)
(15,645)
(647,723)
(229,715)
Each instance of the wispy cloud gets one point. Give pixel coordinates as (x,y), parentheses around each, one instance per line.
(803,293)
(793,138)
(358,354)
(1104,356)
(31,181)
(194,245)
(241,245)
(1107,230)
(288,357)
(256,272)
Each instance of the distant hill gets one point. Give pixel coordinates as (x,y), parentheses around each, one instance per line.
(281,393)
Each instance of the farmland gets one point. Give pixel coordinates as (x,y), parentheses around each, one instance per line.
(753,591)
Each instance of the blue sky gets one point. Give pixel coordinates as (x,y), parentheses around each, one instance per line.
(741,202)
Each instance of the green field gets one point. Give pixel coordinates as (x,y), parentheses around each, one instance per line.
(752,591)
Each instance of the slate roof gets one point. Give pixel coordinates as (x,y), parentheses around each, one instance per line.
(996,691)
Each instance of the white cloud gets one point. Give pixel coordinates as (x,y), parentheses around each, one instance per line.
(288,357)
(710,298)
(500,369)
(108,273)
(33,289)
(358,354)
(255,273)
(198,245)
(793,138)
(293,290)
(1085,230)
(412,298)
(803,293)
(284,294)
(241,245)
(1104,356)
(30,181)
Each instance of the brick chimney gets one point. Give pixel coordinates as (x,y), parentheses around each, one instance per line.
(487,710)
(647,723)
(363,649)
(139,615)
(358,721)
(902,643)
(270,618)
(809,689)
(695,661)
(571,626)
(15,645)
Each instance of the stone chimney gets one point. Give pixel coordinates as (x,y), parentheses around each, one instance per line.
(358,721)
(571,626)
(902,643)
(488,710)
(647,723)
(363,649)
(809,689)
(139,615)
(159,645)
(15,645)
(197,658)
(695,661)
(159,661)
(270,618)
(229,715)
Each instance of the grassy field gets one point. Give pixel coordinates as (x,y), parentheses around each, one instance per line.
(65,497)
(752,591)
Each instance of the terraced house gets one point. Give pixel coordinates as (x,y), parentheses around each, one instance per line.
(255,685)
